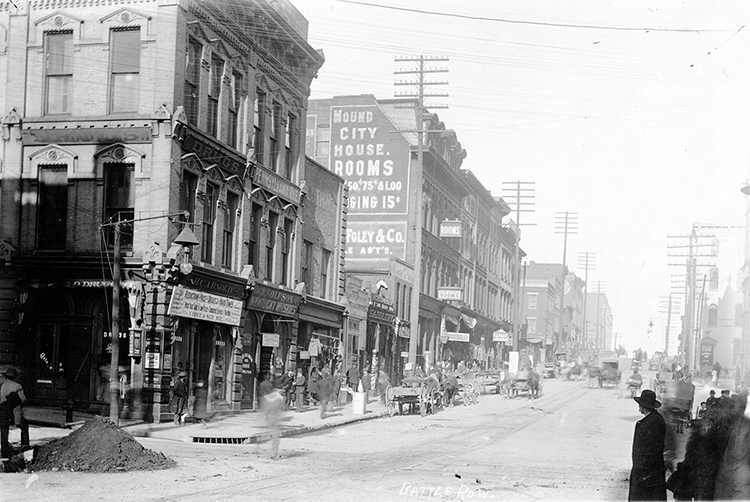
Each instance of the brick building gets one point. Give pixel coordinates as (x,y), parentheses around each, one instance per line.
(139,112)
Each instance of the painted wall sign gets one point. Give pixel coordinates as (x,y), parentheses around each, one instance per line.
(376,240)
(372,159)
(205,306)
(196,280)
(102,136)
(275,301)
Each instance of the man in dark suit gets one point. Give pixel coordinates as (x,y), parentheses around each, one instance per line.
(647,481)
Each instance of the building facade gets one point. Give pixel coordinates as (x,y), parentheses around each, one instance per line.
(465,258)
(177,125)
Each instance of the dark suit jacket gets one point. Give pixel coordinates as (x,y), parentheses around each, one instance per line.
(647,481)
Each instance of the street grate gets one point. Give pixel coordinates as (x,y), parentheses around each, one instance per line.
(234,440)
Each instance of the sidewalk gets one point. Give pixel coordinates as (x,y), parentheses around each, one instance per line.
(234,428)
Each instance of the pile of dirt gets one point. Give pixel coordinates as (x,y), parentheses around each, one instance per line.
(98,446)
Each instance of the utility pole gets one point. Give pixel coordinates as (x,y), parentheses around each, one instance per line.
(416,176)
(518,194)
(688,342)
(565,223)
(114,400)
(586,261)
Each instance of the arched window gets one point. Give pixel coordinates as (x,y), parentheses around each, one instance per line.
(712,315)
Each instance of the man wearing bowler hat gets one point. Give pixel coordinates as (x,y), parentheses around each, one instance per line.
(647,481)
(11,412)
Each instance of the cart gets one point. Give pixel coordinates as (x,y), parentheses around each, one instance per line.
(611,373)
(490,381)
(424,393)
(525,382)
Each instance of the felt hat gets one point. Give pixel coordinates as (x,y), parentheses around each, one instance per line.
(647,399)
(183,373)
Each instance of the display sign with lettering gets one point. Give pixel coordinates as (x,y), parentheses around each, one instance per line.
(274,183)
(500,336)
(197,280)
(451,228)
(376,240)
(456,336)
(151,361)
(450,293)
(275,301)
(372,157)
(205,306)
(270,339)
(210,151)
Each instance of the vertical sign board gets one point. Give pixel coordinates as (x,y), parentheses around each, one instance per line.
(373,158)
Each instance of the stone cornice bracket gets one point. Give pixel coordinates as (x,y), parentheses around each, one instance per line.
(10,120)
(160,116)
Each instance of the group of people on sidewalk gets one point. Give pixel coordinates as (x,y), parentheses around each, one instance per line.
(185,404)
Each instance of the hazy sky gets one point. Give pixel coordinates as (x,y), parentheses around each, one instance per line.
(632,114)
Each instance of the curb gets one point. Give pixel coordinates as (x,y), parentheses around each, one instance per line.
(298,431)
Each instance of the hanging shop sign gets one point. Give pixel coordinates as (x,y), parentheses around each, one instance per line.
(303,354)
(276,184)
(151,361)
(500,336)
(274,301)
(404,354)
(134,343)
(451,228)
(450,293)
(381,310)
(202,282)
(210,151)
(205,306)
(270,339)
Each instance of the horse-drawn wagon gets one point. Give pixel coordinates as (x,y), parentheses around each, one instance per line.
(611,373)
(677,398)
(424,393)
(525,381)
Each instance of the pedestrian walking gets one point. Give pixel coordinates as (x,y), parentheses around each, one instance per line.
(299,390)
(325,387)
(179,397)
(272,404)
(12,399)
(647,480)
(352,377)
(200,403)
(383,383)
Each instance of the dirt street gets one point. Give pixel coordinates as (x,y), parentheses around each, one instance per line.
(573,443)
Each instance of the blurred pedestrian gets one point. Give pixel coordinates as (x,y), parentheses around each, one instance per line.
(647,481)
(383,383)
(12,400)
(179,397)
(287,385)
(299,389)
(200,403)
(725,401)
(712,399)
(325,388)
(352,377)
(272,404)
(266,386)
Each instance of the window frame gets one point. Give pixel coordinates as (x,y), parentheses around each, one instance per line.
(259,124)
(192,89)
(229,230)
(215,87)
(208,224)
(114,71)
(46,214)
(65,73)
(253,238)
(126,212)
(273,223)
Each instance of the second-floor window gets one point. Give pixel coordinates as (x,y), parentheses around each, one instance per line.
(532,301)
(234,108)
(53,207)
(273,223)
(285,261)
(119,197)
(259,125)
(125,67)
(273,138)
(58,65)
(188,185)
(253,246)
(214,93)
(209,217)
(289,145)
(228,243)
(191,93)
(304,273)
(325,259)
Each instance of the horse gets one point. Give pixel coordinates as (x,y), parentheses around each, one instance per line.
(533,382)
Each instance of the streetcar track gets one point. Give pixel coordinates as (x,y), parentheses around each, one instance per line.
(511,417)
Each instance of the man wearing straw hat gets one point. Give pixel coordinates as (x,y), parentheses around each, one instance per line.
(647,481)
